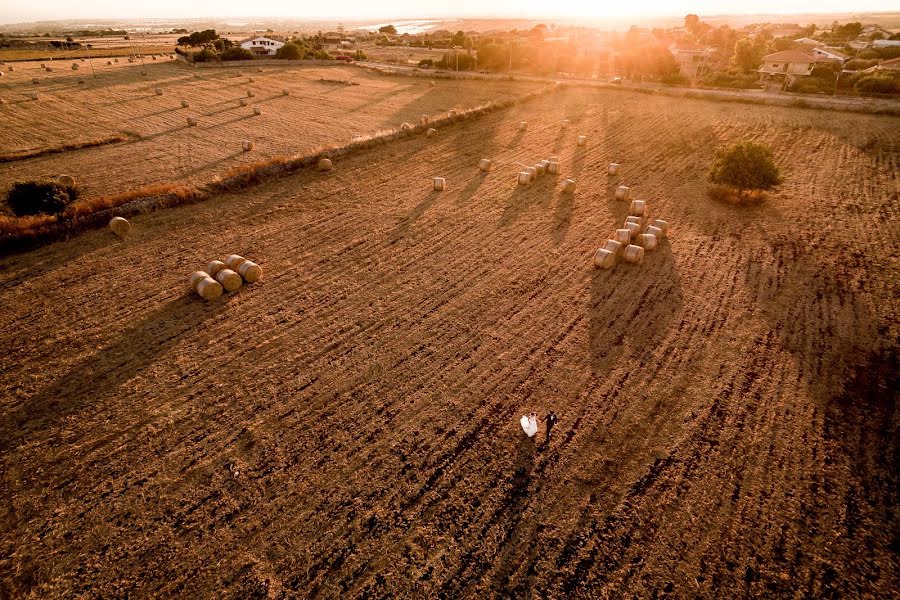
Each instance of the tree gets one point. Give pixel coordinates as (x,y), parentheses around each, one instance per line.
(237,53)
(748,54)
(388,29)
(692,23)
(34,198)
(289,52)
(459,39)
(877,84)
(745,166)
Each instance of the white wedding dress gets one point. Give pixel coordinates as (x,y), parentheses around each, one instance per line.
(529,425)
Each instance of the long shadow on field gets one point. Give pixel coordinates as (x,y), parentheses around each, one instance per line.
(524,198)
(562,216)
(97,377)
(632,308)
(414,215)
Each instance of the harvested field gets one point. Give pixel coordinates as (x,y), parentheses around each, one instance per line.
(348,426)
(119,100)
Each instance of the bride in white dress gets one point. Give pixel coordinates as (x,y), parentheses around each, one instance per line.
(529,424)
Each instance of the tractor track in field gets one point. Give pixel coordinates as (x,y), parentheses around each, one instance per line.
(348,427)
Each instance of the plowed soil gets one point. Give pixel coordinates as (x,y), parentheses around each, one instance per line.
(319,111)
(348,426)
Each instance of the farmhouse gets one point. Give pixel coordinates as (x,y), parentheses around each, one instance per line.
(261,46)
(787,65)
(891,66)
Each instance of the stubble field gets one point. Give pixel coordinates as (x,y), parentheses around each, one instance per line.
(162,148)
(348,427)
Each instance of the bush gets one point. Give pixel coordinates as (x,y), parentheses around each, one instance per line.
(289,52)
(745,166)
(34,198)
(731,80)
(237,53)
(359,55)
(426,63)
(812,85)
(205,55)
(675,79)
(876,84)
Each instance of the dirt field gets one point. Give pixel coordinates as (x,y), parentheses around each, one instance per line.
(120,100)
(348,427)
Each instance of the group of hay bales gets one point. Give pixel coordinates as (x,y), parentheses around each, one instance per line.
(224,276)
(636,236)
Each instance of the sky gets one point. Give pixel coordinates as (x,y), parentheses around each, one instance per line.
(16,11)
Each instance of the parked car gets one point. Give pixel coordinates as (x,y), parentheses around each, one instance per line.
(616,81)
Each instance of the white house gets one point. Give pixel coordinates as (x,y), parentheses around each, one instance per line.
(885,43)
(261,46)
(830,54)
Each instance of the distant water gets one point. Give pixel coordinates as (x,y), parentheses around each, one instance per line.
(410,27)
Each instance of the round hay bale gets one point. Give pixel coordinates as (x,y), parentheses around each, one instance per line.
(484,165)
(121,227)
(452,113)
(623,192)
(582,140)
(185,104)
(250,93)
(157,91)
(247,145)
(523,125)
(639,221)
(43,66)
(638,208)
(553,158)
(406,127)
(259,69)
(153,57)
(208,288)
(250,271)
(663,227)
(196,75)
(424,119)
(656,231)
(532,173)
(196,277)
(439,184)
(143,73)
(325,164)
(35,80)
(74,66)
(553,168)
(623,236)
(634,254)
(250,80)
(569,186)
(431,84)
(604,259)
(285,92)
(11,68)
(242,102)
(192,121)
(257,111)
(109,63)
(431,131)
(238,74)
(33,95)
(613,169)
(634,228)
(564,123)
(613,246)
(66,180)
(233,261)
(80,81)
(647,241)
(524,178)
(230,280)
(116,60)
(214,267)
(539,169)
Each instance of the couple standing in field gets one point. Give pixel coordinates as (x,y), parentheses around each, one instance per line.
(529,424)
